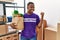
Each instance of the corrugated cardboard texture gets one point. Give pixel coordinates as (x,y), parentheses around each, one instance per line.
(2,38)
(15,36)
(58,32)
(8,37)
(3,29)
(50,35)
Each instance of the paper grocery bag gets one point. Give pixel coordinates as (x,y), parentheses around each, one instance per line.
(19,22)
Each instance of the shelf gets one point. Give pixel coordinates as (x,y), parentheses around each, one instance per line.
(7,2)
(8,33)
(4,6)
(14,6)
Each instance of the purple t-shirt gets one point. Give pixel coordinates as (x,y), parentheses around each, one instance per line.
(30,22)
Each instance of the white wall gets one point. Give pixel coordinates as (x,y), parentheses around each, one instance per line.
(51,9)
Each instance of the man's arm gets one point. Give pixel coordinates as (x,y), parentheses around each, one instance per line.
(41,20)
(13,25)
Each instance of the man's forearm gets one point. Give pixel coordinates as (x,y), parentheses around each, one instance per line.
(40,24)
(13,26)
(41,21)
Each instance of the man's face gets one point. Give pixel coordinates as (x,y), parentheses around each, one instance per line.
(30,8)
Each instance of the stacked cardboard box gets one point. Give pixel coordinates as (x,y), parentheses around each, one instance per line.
(8,37)
(12,37)
(2,38)
(15,36)
(10,29)
(50,33)
(3,29)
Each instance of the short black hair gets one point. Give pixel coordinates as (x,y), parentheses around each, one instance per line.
(30,3)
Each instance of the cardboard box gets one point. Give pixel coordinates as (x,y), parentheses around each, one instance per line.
(1,18)
(8,37)
(10,29)
(58,32)
(15,36)
(50,34)
(19,22)
(3,29)
(2,38)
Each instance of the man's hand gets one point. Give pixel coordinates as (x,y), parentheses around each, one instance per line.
(41,21)
(42,14)
(13,25)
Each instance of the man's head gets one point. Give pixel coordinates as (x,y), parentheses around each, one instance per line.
(30,7)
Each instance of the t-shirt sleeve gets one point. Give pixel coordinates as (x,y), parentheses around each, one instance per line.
(37,20)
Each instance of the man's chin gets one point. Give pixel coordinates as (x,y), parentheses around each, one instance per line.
(32,11)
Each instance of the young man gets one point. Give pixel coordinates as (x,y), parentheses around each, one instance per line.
(31,20)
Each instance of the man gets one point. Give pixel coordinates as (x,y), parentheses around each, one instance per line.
(31,20)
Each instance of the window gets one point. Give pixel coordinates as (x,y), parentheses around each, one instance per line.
(1,10)
(9,10)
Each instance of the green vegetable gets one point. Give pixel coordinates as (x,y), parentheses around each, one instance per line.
(21,15)
(15,12)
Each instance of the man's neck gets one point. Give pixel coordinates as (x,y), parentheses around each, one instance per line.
(29,13)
